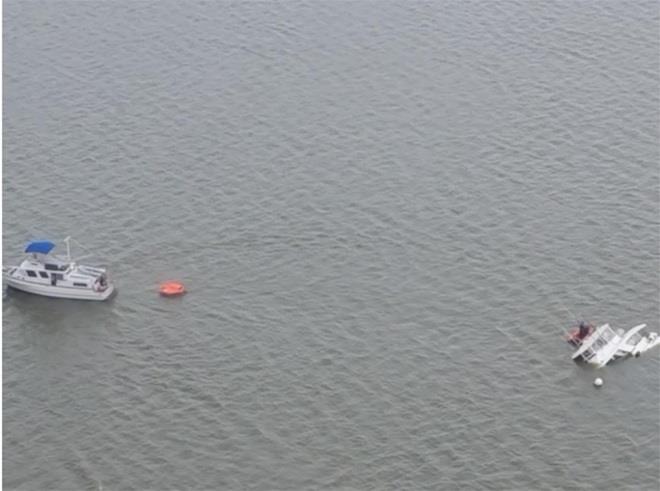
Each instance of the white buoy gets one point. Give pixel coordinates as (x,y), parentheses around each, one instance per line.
(598,382)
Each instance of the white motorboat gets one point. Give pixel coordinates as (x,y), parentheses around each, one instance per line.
(52,276)
(605,344)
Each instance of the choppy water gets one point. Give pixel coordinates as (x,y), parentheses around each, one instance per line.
(384,212)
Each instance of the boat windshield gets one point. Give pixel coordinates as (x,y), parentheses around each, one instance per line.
(588,354)
(600,342)
(607,334)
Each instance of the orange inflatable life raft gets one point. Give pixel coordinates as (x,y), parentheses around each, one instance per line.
(172,289)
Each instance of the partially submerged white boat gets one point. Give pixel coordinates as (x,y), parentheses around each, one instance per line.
(605,344)
(52,276)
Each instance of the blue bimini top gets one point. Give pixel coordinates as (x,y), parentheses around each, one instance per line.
(42,246)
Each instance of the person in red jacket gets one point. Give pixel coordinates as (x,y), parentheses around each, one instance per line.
(584,330)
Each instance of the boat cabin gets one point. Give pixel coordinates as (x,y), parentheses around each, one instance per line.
(54,272)
(600,347)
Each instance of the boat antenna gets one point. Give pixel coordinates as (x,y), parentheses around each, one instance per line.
(68,248)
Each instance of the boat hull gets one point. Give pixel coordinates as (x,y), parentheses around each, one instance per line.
(73,293)
(606,345)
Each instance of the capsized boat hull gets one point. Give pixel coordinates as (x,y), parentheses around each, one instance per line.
(606,345)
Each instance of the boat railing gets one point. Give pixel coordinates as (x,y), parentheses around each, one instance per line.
(91,270)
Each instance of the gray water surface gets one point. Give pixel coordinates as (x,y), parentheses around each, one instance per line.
(386,214)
